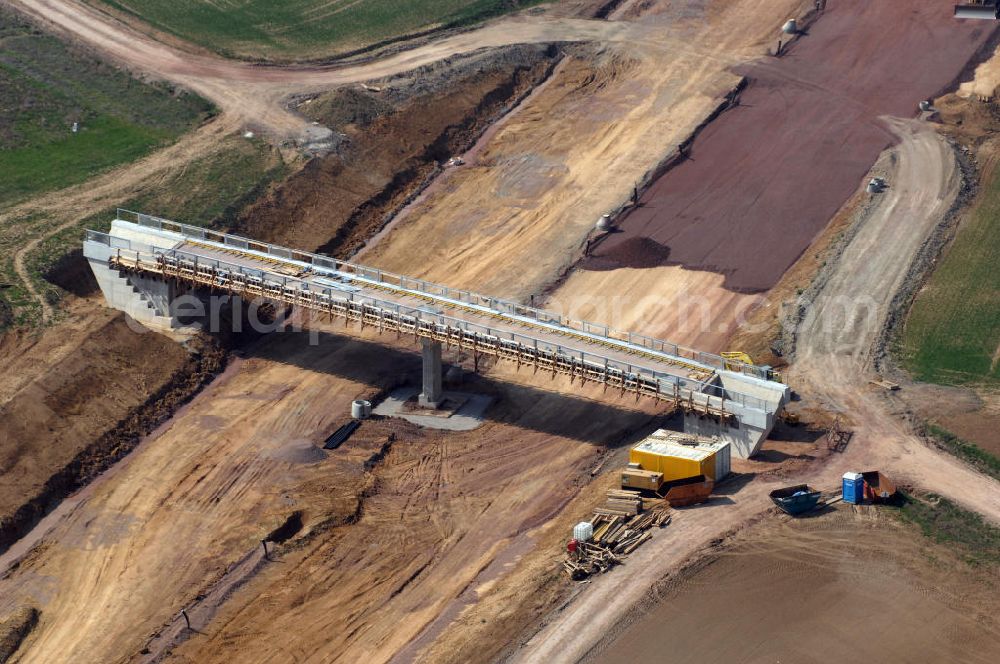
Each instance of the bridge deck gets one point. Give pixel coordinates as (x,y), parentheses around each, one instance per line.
(311,279)
(492,326)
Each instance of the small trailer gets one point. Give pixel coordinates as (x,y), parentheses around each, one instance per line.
(878,487)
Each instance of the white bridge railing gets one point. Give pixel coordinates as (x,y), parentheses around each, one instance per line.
(641,379)
(685,356)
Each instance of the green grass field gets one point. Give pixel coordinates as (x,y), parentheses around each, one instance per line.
(45,87)
(303,29)
(207,191)
(953,330)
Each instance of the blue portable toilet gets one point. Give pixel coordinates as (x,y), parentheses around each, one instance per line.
(854,488)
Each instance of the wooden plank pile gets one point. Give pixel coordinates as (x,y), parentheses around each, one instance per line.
(618,531)
(885,384)
(621,502)
(589,559)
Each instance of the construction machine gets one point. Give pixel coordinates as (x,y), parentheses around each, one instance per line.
(982,9)
(734,358)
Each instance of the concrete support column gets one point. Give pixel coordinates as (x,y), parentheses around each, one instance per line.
(430,397)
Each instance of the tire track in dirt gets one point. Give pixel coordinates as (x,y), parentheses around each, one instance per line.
(835,341)
(761,182)
(831,369)
(897,599)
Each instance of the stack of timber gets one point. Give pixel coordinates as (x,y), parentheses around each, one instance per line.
(615,536)
(621,502)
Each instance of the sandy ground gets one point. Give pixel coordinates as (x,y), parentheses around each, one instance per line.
(194,483)
(842,586)
(185,513)
(686,306)
(393,142)
(978,424)
(66,387)
(83,372)
(253,94)
(984,80)
(165,525)
(830,372)
(833,350)
(520,215)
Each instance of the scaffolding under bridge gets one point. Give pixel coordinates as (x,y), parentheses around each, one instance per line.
(160,251)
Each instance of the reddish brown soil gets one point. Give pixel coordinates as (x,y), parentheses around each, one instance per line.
(978,427)
(763,180)
(636,251)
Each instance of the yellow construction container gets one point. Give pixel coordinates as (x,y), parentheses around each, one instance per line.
(679,455)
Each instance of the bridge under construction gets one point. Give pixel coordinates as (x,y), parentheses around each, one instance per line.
(145,263)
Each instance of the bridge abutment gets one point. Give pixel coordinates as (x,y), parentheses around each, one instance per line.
(748,430)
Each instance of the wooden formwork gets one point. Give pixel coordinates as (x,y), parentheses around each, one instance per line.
(387,320)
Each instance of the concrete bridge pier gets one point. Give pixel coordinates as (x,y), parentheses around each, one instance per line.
(431,395)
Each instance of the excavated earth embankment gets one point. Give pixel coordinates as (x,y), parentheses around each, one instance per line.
(765,178)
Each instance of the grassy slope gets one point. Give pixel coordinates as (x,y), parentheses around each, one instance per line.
(972,454)
(953,331)
(45,87)
(303,29)
(941,520)
(207,191)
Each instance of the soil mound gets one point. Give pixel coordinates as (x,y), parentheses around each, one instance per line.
(637,252)
(298,451)
(14,628)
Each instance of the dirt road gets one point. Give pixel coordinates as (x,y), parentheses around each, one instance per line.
(386,560)
(766,177)
(35,221)
(518,215)
(464,499)
(831,370)
(253,94)
(833,351)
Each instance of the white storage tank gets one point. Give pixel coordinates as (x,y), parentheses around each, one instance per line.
(583,531)
(361,410)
